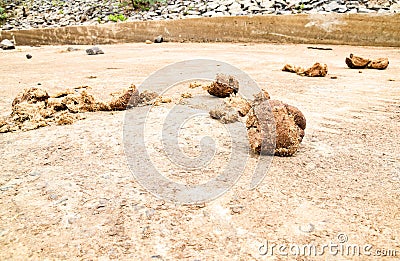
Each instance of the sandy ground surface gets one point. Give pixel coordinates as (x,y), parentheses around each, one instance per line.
(67,191)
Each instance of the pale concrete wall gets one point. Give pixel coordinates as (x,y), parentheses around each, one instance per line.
(354,29)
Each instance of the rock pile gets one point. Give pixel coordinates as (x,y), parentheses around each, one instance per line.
(55,13)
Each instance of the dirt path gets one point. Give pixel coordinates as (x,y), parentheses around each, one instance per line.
(67,192)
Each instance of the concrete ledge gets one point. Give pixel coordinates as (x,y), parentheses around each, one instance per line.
(351,29)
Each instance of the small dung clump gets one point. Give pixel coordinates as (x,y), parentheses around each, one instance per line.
(125,99)
(380,64)
(272,117)
(242,105)
(147,97)
(356,62)
(193,85)
(317,70)
(224,113)
(261,96)
(223,86)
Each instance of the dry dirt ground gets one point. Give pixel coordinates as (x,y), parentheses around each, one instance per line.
(67,191)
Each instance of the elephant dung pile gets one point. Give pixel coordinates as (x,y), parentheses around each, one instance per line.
(34,107)
(271,118)
(273,127)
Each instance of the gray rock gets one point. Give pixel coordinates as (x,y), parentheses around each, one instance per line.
(94,51)
(364,10)
(267,4)
(209,14)
(193,12)
(332,6)
(235,8)
(7,45)
(159,39)
(342,9)
(254,9)
(221,8)
(7,27)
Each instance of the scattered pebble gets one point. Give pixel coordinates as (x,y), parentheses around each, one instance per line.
(28,56)
(159,39)
(7,45)
(94,51)
(307,228)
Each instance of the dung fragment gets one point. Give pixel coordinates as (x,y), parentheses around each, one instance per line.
(66,118)
(31,95)
(380,64)
(356,62)
(242,105)
(261,96)
(223,86)
(224,113)
(162,99)
(193,85)
(146,97)
(186,95)
(317,70)
(125,99)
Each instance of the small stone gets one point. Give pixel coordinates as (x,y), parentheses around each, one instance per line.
(34,173)
(212,6)
(28,56)
(236,209)
(307,228)
(209,14)
(332,6)
(7,45)
(7,27)
(148,42)
(159,39)
(72,49)
(94,51)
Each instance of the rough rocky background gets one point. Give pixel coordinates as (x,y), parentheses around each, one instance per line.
(54,13)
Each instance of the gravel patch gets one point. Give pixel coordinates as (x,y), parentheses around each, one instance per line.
(58,13)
